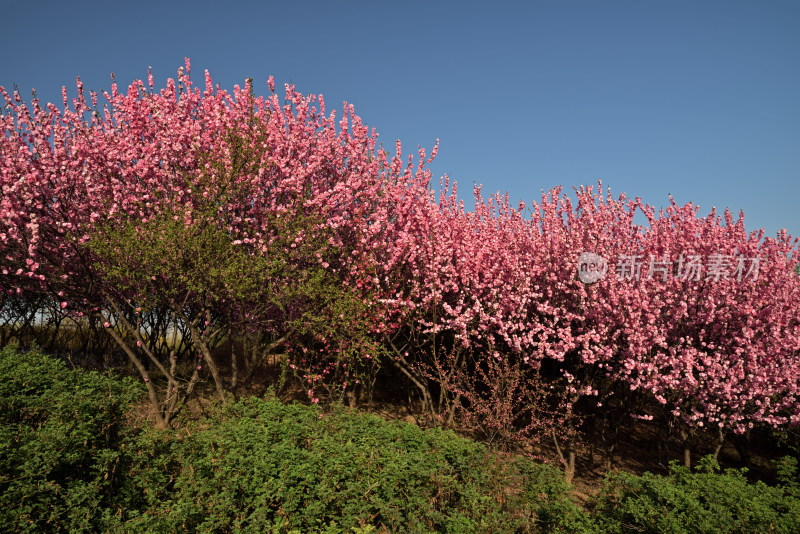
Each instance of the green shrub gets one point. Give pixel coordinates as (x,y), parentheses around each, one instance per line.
(704,501)
(789,475)
(69,462)
(262,466)
(548,497)
(62,435)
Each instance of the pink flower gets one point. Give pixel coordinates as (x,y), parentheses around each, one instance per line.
(106,324)
(63,305)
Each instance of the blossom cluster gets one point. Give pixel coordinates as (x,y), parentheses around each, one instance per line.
(262,178)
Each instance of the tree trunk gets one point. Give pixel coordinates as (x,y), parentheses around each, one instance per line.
(161,422)
(610,456)
(569,474)
(212,366)
(200,343)
(720,443)
(609,435)
(569,459)
(687,451)
(419,381)
(742,444)
(234,367)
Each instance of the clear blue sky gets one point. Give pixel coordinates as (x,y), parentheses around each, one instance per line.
(700,99)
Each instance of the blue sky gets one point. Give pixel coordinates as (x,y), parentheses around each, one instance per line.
(700,99)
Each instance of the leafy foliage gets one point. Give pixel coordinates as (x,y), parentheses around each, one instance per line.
(63,436)
(69,461)
(262,466)
(699,502)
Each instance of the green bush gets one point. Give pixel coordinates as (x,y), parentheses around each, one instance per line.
(547,496)
(70,463)
(700,502)
(262,466)
(62,435)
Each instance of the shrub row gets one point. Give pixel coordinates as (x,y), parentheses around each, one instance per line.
(70,461)
(63,444)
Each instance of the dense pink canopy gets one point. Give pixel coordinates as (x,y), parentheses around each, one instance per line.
(693,310)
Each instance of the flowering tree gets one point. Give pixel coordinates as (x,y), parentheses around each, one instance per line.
(505,287)
(694,312)
(460,290)
(225,213)
(712,328)
(198,215)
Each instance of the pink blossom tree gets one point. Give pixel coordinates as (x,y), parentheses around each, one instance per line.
(267,222)
(228,213)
